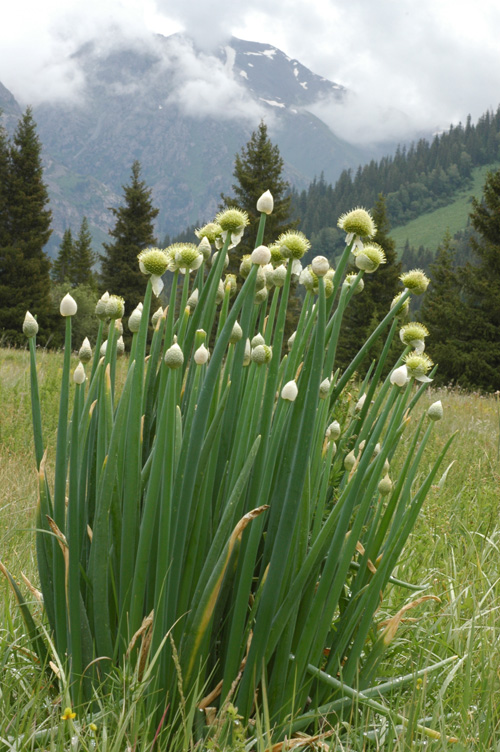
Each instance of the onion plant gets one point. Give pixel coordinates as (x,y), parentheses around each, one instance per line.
(226,522)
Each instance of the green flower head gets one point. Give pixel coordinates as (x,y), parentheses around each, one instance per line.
(414,334)
(232,220)
(357,222)
(405,308)
(293,244)
(209,231)
(115,307)
(277,257)
(370,258)
(187,256)
(153,261)
(349,281)
(418,365)
(415,281)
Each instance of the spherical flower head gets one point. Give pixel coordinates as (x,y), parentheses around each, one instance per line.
(333,431)
(277,257)
(201,355)
(85,351)
(100,309)
(320,266)
(350,280)
(385,486)
(30,326)
(265,204)
(232,220)
(435,411)
(416,281)
(418,364)
(405,308)
(115,307)
(205,248)
(261,295)
(261,354)
(293,244)
(134,320)
(174,357)
(68,306)
(399,377)
(357,222)
(188,257)
(414,334)
(236,333)
(370,258)
(156,316)
(290,391)
(153,261)
(210,231)
(278,276)
(79,374)
(245,265)
(261,255)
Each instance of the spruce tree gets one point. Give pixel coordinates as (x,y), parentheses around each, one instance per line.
(24,267)
(257,168)
(367,309)
(61,267)
(83,257)
(133,231)
(4,181)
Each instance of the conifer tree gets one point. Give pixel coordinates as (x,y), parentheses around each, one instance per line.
(4,180)
(83,257)
(61,267)
(133,231)
(368,308)
(24,267)
(258,167)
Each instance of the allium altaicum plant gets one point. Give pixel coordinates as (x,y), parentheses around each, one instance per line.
(226,523)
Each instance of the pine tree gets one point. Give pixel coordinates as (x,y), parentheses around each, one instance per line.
(258,168)
(133,231)
(24,267)
(83,257)
(368,308)
(4,180)
(61,267)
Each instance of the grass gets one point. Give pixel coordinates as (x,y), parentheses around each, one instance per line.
(453,552)
(428,230)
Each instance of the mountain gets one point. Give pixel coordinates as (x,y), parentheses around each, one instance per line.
(183,113)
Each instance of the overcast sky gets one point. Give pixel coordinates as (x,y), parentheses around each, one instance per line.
(409,64)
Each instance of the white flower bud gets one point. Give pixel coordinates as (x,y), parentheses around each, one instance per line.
(201,355)
(278,276)
(85,351)
(265,204)
(100,309)
(258,340)
(291,340)
(385,486)
(248,353)
(205,247)
(360,403)
(79,374)
(236,334)
(399,377)
(350,461)
(261,354)
(174,357)
(30,326)
(333,430)
(290,391)
(324,388)
(156,316)
(193,299)
(386,467)
(134,321)
(435,411)
(120,346)
(102,350)
(68,306)
(261,255)
(320,266)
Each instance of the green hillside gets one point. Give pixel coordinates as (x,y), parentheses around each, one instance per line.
(429,229)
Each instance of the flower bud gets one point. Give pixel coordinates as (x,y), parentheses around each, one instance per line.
(120,346)
(248,353)
(68,306)
(174,357)
(213,260)
(258,340)
(350,461)
(320,266)
(103,348)
(30,326)
(245,265)
(236,334)
(360,403)
(85,351)
(349,282)
(290,391)
(205,248)
(291,340)
(399,377)
(333,430)
(324,388)
(100,309)
(201,355)
(134,320)
(261,354)
(435,411)
(370,258)
(278,276)
(261,255)
(115,307)
(193,299)
(156,316)
(385,486)
(265,204)
(79,374)
(261,295)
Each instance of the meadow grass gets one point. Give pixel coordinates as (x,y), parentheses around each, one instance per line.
(453,552)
